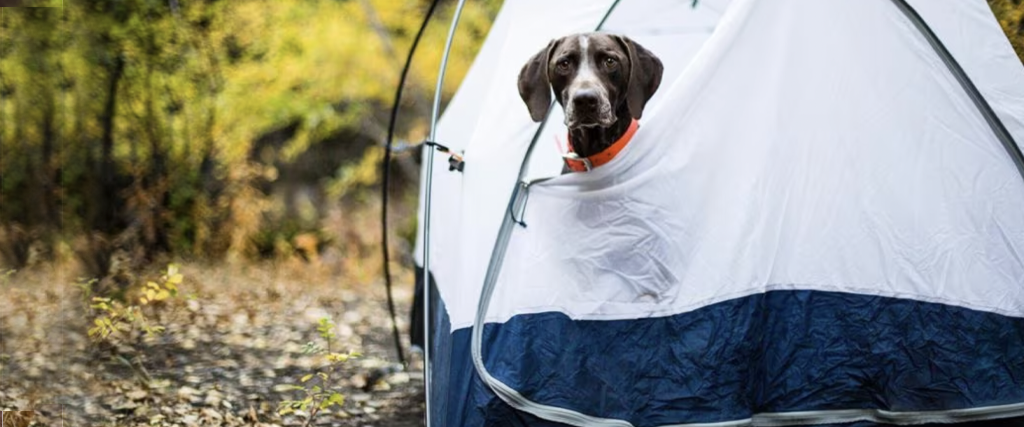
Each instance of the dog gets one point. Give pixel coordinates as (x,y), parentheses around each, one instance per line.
(602,81)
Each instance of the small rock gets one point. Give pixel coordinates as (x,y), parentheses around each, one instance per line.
(227,363)
(213,398)
(240,320)
(124,406)
(259,343)
(159,384)
(399,378)
(211,414)
(281,388)
(185,393)
(137,394)
(359,397)
(352,317)
(358,381)
(251,416)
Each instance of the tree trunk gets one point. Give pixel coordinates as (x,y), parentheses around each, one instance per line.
(46,169)
(106,197)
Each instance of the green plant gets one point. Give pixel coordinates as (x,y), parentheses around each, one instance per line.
(122,324)
(5,276)
(116,317)
(318,395)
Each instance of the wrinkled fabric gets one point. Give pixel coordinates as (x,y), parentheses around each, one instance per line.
(813,215)
(811,171)
(780,351)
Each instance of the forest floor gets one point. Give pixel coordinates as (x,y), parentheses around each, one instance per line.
(231,351)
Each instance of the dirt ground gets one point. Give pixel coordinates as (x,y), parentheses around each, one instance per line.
(233,344)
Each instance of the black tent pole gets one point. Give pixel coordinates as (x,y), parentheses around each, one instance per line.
(386,169)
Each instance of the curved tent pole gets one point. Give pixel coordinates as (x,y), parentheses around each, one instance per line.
(386,169)
(965,82)
(503,391)
(426,206)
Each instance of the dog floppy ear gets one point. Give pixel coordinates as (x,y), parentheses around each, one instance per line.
(534,85)
(644,75)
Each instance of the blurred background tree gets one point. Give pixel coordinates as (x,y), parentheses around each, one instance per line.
(211,129)
(135,128)
(1010,14)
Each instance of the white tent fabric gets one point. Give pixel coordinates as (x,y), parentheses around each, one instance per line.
(808,152)
(785,162)
(485,121)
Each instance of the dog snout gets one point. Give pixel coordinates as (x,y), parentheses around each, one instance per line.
(588,107)
(587,100)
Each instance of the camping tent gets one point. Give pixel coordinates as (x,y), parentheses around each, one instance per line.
(821,220)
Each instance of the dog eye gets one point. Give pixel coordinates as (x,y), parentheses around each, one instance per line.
(610,62)
(563,65)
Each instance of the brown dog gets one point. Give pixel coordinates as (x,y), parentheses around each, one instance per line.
(603,82)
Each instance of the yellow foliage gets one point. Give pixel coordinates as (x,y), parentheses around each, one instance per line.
(1010,14)
(170,97)
(363,173)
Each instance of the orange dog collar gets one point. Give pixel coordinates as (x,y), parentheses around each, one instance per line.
(583,164)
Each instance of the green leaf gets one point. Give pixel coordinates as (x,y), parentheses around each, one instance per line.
(306,377)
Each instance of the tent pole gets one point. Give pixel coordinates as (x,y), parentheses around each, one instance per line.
(504,392)
(426,207)
(386,171)
(1003,135)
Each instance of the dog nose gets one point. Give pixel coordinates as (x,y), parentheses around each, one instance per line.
(586,99)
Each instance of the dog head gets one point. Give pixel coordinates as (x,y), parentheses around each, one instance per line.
(592,76)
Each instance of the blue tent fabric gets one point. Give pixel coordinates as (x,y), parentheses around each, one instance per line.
(781,351)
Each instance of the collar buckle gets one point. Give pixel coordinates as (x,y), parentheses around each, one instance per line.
(572,157)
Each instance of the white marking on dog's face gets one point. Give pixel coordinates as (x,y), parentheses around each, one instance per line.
(587,81)
(586,72)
